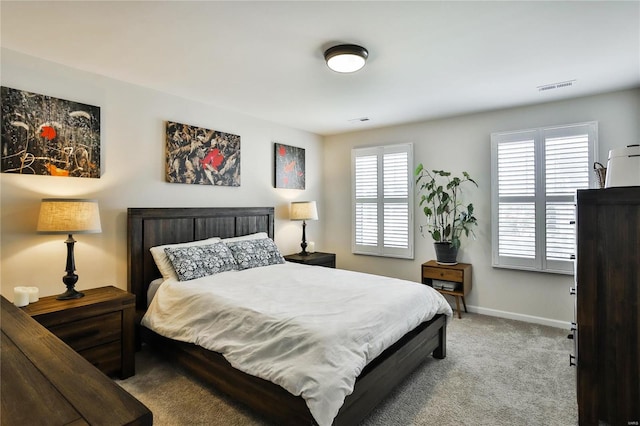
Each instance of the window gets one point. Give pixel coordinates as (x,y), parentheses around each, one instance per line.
(383,200)
(535,174)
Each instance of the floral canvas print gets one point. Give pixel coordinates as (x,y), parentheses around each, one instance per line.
(202,156)
(289,167)
(43,135)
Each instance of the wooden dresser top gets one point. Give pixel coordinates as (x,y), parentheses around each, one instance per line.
(45,381)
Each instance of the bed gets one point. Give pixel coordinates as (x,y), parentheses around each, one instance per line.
(150,227)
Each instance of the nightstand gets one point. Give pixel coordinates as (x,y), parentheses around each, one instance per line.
(99,326)
(459,273)
(317,258)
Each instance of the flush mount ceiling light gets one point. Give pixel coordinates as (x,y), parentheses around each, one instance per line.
(346,58)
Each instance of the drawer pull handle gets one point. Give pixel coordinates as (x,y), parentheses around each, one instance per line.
(572,359)
(81,336)
(572,291)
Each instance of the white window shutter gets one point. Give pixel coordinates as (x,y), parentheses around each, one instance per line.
(383,200)
(535,174)
(366,205)
(568,162)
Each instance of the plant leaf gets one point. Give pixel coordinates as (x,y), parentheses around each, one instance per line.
(447,230)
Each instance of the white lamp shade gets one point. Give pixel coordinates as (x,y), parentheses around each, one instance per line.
(69,216)
(304,210)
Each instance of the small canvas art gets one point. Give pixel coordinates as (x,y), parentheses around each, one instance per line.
(202,156)
(289,167)
(43,135)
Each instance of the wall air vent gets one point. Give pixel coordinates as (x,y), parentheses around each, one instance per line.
(556,85)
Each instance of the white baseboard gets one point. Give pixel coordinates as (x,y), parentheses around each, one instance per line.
(519,317)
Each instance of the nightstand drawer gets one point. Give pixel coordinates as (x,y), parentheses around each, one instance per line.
(329,262)
(442,274)
(316,259)
(107,358)
(90,332)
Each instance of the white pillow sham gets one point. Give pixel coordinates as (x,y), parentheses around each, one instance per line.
(153,287)
(162,260)
(256,236)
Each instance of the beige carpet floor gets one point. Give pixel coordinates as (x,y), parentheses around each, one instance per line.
(497,372)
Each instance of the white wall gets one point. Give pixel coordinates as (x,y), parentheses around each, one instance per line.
(133,147)
(463,143)
(133,176)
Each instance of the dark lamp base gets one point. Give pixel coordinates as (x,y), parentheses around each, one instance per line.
(304,253)
(70,294)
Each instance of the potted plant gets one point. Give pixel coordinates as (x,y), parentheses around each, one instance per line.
(448,219)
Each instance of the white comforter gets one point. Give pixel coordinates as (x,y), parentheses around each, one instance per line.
(308,329)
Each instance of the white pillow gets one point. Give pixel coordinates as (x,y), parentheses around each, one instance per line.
(162,260)
(153,287)
(256,236)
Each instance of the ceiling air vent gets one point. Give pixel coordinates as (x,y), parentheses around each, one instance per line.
(556,85)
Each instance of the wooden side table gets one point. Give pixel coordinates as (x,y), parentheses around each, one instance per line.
(99,326)
(317,258)
(459,273)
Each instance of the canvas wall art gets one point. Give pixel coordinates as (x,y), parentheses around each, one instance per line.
(43,135)
(202,156)
(289,167)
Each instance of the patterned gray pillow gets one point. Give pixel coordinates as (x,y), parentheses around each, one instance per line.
(255,253)
(200,261)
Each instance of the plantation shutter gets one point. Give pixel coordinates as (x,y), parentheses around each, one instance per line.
(535,174)
(366,205)
(567,169)
(383,201)
(516,205)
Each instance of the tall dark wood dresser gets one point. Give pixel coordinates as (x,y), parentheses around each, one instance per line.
(608,298)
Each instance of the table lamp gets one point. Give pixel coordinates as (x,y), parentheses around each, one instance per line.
(304,210)
(69,216)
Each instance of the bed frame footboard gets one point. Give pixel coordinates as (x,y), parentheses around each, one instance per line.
(375,382)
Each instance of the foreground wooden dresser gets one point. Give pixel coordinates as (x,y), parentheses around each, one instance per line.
(45,382)
(608,301)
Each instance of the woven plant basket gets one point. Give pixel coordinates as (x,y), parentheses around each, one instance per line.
(601,172)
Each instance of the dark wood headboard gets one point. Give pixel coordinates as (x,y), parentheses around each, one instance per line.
(148,227)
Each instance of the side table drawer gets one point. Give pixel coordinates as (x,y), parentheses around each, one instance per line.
(107,358)
(327,262)
(442,274)
(90,332)
(316,259)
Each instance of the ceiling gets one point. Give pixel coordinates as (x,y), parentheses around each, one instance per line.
(427,59)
